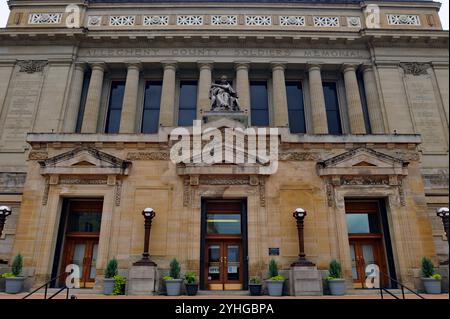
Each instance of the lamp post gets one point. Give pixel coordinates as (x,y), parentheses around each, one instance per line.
(443,213)
(299,215)
(148,214)
(5,211)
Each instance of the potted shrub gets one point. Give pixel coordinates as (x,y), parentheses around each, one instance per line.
(110,273)
(13,280)
(119,285)
(335,281)
(173,281)
(431,280)
(191,283)
(275,282)
(255,286)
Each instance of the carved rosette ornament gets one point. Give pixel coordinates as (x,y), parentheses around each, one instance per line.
(32,66)
(415,68)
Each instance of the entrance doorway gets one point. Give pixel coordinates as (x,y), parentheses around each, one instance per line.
(224,245)
(367,239)
(78,239)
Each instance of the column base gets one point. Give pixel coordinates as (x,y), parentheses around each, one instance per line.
(142,280)
(305,281)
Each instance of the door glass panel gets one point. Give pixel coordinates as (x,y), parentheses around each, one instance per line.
(353,256)
(368,255)
(78,256)
(233,258)
(223,224)
(84,222)
(214,262)
(93,271)
(362,223)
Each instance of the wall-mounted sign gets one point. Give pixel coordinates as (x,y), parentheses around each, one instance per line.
(274,251)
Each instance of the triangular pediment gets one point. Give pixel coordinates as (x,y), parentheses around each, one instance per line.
(84,160)
(363,161)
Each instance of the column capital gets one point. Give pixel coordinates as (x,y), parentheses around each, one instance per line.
(205,65)
(314,65)
(80,66)
(100,66)
(169,64)
(366,67)
(347,67)
(277,65)
(241,65)
(134,65)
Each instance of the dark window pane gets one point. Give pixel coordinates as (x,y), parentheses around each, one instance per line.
(332,107)
(115,107)
(150,117)
(86,80)
(84,222)
(259,103)
(362,93)
(223,223)
(363,224)
(188,103)
(294,92)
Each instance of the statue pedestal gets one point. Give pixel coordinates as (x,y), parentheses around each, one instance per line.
(142,280)
(238,116)
(305,281)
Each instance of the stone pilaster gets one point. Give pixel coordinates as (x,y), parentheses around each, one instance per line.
(129,107)
(204,85)
(281,115)
(354,105)
(6,70)
(73,104)
(92,107)
(373,100)
(166,117)
(243,85)
(318,110)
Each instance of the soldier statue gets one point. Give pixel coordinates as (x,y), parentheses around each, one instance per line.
(223,96)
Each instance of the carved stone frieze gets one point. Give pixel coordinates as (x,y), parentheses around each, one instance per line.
(415,68)
(38,155)
(364,180)
(118,193)
(148,156)
(298,156)
(68,180)
(31,66)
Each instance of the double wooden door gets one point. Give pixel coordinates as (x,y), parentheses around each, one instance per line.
(365,252)
(223,266)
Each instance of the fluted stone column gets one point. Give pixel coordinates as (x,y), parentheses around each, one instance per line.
(130,98)
(92,107)
(373,100)
(281,115)
(318,110)
(354,105)
(204,85)
(167,107)
(243,85)
(73,104)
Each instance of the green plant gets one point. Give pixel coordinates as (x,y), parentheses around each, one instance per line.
(111,269)
(119,285)
(8,275)
(437,276)
(335,270)
(427,268)
(17,265)
(273,268)
(278,278)
(190,277)
(255,280)
(167,278)
(175,269)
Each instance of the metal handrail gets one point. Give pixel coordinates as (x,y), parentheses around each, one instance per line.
(46,289)
(402,287)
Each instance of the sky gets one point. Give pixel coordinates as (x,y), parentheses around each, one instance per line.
(4,11)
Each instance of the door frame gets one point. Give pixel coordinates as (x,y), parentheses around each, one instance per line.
(244,232)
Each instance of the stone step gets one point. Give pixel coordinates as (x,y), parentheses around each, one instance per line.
(223,293)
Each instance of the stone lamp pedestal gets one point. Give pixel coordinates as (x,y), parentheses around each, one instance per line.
(305,281)
(142,280)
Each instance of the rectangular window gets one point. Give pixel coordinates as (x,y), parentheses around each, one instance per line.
(152,100)
(332,108)
(115,107)
(259,103)
(363,223)
(84,91)
(362,93)
(296,108)
(188,103)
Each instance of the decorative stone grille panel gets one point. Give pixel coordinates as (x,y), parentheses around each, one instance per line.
(258,20)
(224,20)
(45,18)
(189,20)
(156,20)
(403,19)
(326,21)
(292,21)
(122,21)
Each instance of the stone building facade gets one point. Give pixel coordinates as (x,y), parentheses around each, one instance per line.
(90,94)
